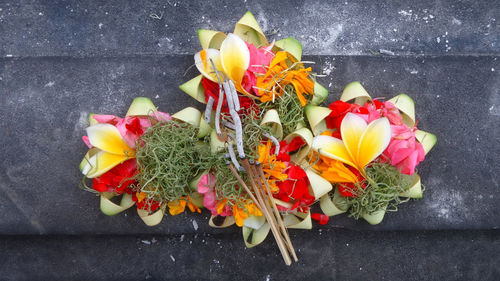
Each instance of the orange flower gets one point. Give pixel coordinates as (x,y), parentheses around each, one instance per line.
(178,206)
(221,205)
(241,214)
(285,70)
(271,166)
(140,196)
(252,209)
(334,171)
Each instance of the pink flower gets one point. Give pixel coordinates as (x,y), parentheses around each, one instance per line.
(390,111)
(369,112)
(404,151)
(248,82)
(259,59)
(206,187)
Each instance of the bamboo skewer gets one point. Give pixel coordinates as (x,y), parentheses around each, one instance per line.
(276,212)
(267,214)
(240,180)
(266,202)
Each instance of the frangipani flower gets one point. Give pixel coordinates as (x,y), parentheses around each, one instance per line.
(108,150)
(232,60)
(361,142)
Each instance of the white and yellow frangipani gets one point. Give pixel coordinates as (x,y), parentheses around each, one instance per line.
(233,59)
(203,61)
(108,150)
(361,142)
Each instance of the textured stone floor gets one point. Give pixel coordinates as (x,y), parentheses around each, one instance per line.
(61,61)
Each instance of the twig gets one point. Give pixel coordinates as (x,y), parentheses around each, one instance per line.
(236,100)
(228,124)
(233,156)
(208,109)
(275,141)
(219,102)
(234,115)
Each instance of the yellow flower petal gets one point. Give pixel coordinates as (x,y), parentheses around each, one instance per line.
(351,129)
(374,141)
(107,138)
(102,162)
(202,60)
(333,148)
(235,57)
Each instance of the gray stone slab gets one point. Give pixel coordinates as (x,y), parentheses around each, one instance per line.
(323,255)
(109,28)
(45,103)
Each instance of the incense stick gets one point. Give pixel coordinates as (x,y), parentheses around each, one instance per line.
(240,180)
(277,213)
(275,231)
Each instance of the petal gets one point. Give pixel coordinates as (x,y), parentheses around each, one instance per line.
(351,129)
(400,155)
(107,137)
(374,141)
(203,61)
(235,57)
(86,141)
(332,148)
(102,162)
(336,171)
(206,183)
(102,118)
(160,116)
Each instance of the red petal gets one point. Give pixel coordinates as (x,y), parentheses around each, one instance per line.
(295,144)
(345,189)
(320,218)
(283,157)
(134,126)
(296,172)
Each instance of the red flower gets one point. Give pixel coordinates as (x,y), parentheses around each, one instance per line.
(212,90)
(295,144)
(295,188)
(118,179)
(346,189)
(339,110)
(134,126)
(287,148)
(145,204)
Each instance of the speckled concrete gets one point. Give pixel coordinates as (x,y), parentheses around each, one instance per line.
(109,28)
(323,255)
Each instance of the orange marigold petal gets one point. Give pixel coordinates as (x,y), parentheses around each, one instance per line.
(239,215)
(176,207)
(221,205)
